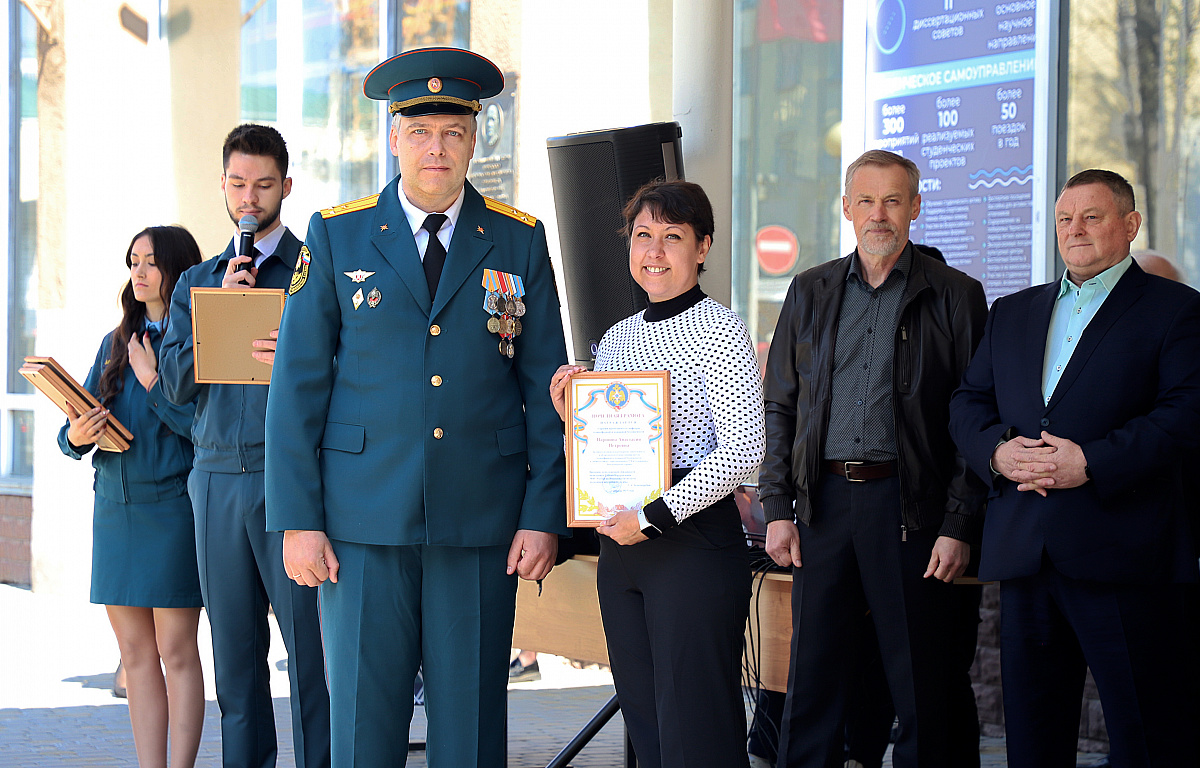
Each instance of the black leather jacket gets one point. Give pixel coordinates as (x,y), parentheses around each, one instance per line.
(942,316)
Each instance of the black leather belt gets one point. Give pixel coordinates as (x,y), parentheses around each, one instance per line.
(862,471)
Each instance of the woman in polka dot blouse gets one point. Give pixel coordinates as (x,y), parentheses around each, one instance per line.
(674,576)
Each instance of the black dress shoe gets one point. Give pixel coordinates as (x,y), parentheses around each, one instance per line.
(519,673)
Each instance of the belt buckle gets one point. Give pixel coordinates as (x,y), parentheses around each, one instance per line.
(848,464)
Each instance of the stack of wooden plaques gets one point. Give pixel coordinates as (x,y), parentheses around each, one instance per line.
(54,382)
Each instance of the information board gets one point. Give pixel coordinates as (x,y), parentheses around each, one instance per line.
(964,89)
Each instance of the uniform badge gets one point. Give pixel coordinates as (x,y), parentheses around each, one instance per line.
(373,298)
(358,275)
(357,298)
(301,273)
(435,85)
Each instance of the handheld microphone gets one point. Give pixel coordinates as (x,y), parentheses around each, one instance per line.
(247,227)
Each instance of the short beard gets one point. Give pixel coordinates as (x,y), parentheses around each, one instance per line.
(264,223)
(884,251)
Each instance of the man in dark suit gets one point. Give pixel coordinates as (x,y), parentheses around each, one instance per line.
(863,491)
(1082,405)
(239,560)
(414,457)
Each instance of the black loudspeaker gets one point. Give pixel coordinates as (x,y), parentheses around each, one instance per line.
(594,174)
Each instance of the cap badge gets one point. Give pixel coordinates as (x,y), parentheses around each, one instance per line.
(435,85)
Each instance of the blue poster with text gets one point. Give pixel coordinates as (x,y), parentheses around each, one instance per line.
(950,85)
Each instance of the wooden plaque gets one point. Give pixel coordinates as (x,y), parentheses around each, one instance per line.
(53,381)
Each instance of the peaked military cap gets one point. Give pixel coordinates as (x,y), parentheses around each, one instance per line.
(434,81)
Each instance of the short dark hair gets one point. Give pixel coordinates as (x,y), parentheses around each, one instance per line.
(1122,190)
(883,158)
(675,202)
(252,139)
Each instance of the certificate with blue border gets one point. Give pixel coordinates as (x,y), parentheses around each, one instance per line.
(618,443)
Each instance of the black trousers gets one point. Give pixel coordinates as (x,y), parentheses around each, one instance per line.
(854,560)
(1139,642)
(674,612)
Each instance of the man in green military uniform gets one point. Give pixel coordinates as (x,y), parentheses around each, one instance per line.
(414,459)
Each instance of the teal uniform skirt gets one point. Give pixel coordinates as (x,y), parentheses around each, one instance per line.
(145,554)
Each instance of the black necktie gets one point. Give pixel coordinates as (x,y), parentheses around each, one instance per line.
(435,253)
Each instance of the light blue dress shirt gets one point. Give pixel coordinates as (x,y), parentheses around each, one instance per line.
(1073,310)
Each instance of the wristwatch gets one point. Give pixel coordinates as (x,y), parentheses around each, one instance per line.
(649,530)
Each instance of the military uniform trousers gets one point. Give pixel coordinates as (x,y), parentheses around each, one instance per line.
(854,560)
(447,610)
(241,574)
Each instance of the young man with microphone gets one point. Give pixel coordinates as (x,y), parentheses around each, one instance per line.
(240,562)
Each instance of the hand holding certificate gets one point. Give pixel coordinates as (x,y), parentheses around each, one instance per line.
(618,443)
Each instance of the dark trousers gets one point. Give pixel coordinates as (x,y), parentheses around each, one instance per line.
(241,575)
(870,716)
(394,609)
(674,613)
(854,560)
(1138,644)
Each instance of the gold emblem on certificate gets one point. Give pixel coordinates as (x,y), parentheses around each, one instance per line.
(502,301)
(618,443)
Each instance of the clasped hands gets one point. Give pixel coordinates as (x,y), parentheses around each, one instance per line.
(1039,464)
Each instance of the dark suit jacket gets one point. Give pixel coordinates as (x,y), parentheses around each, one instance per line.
(362,441)
(1130,397)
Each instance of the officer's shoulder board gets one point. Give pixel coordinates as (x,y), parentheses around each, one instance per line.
(361,204)
(509,211)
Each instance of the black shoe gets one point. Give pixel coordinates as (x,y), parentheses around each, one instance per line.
(519,673)
(118,690)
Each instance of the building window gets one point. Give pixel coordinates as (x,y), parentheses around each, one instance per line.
(1133,106)
(20,276)
(787,151)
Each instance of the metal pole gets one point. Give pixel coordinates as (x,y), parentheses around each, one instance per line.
(576,745)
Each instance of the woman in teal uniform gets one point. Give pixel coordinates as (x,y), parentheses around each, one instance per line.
(144,546)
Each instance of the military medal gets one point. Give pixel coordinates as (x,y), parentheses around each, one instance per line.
(518,309)
(373,298)
(502,300)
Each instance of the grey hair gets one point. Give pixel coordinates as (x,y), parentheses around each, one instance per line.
(884,158)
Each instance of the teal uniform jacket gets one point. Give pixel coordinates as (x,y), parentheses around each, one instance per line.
(401,423)
(157,463)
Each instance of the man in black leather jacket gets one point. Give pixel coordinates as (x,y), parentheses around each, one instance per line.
(866,355)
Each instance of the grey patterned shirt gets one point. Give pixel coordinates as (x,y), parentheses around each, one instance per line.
(862,425)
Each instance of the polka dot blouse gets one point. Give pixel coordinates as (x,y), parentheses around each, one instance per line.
(716,394)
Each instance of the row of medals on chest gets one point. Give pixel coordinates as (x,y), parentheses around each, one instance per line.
(506,311)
